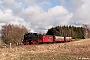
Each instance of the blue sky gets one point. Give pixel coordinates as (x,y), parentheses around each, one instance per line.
(40,15)
(45,4)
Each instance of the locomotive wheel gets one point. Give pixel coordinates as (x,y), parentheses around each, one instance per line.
(35,42)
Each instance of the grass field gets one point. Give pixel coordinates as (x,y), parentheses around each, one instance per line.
(76,50)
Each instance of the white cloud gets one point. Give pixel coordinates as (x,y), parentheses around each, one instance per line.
(81,13)
(11,4)
(7,17)
(40,20)
(33,15)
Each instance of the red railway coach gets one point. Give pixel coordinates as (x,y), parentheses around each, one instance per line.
(46,39)
(68,39)
(62,39)
(59,39)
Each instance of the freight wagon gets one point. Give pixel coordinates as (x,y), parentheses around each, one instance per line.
(35,38)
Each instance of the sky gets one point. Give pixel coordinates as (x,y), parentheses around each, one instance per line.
(40,15)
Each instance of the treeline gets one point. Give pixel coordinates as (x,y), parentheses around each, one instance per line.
(12,33)
(70,31)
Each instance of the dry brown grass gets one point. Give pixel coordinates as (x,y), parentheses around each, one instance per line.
(1,43)
(73,49)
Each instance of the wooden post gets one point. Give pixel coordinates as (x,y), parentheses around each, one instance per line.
(10,45)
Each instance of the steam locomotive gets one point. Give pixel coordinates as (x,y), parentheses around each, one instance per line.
(35,38)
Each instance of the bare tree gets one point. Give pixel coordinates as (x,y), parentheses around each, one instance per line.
(13,33)
(87,31)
